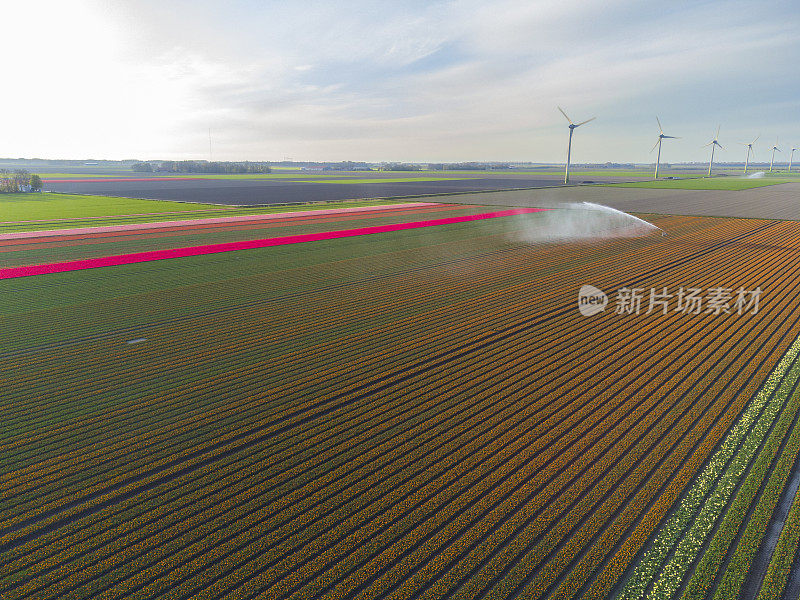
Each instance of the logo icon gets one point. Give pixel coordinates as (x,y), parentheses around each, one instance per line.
(591,300)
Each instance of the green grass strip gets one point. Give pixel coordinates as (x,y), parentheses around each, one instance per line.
(780,566)
(134,175)
(298,175)
(186,210)
(23,207)
(686,530)
(577,173)
(705,183)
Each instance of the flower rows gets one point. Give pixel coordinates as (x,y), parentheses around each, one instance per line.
(739,563)
(783,558)
(685,532)
(345,455)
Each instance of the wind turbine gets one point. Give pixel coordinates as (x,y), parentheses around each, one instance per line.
(713,143)
(572,127)
(749,150)
(772,160)
(790,159)
(661,136)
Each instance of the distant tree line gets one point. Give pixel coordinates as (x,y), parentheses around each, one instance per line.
(347,165)
(611,165)
(401,167)
(200,166)
(19,180)
(468,166)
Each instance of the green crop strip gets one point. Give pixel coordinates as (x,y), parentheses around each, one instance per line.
(143,240)
(778,571)
(689,526)
(120,211)
(705,183)
(299,175)
(36,206)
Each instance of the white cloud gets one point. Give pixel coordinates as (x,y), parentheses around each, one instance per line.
(454,80)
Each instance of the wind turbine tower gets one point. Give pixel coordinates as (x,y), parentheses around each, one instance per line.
(661,137)
(749,150)
(572,128)
(772,160)
(791,156)
(713,143)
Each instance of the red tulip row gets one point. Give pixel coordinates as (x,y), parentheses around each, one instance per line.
(72,247)
(59,465)
(82,455)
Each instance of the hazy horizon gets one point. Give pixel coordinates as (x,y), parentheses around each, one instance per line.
(664,165)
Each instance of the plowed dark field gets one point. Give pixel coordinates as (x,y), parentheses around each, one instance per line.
(255,191)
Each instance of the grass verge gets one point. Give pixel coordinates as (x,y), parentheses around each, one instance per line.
(46,205)
(706,183)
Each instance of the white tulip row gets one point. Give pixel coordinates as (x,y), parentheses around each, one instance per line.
(686,530)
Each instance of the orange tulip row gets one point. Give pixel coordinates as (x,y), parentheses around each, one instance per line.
(101,448)
(335,502)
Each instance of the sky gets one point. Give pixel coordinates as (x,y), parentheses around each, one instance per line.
(410,81)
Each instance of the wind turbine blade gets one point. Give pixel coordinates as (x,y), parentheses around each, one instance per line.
(586,121)
(656,145)
(660,128)
(565,115)
(674,137)
(718,128)
(720,145)
(707,145)
(755,140)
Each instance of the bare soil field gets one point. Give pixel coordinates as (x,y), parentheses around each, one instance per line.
(770,202)
(260,192)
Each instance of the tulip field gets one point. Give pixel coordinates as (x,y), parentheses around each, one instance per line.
(397,402)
